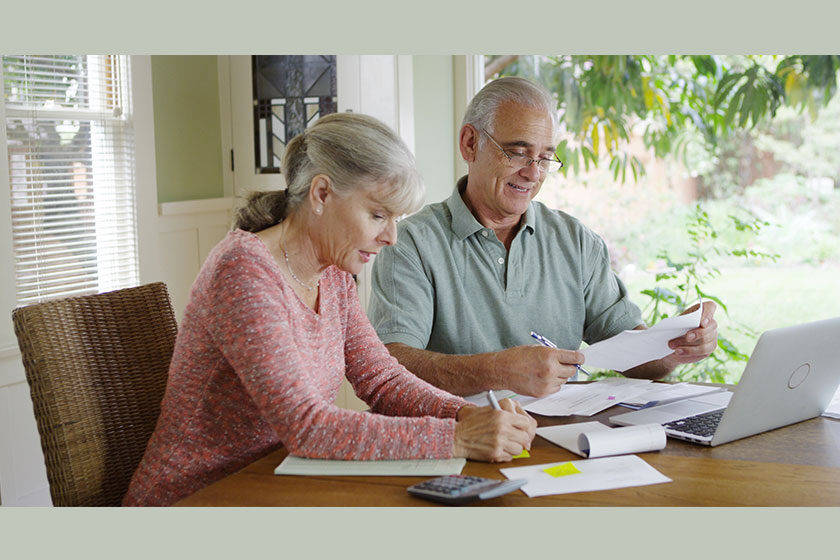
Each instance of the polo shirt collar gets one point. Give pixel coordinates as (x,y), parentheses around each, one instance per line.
(464,223)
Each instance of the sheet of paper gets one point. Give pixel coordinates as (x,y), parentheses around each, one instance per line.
(480,399)
(631,348)
(411,467)
(586,399)
(605,473)
(593,439)
(663,393)
(833,410)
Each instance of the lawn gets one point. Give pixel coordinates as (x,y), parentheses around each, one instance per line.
(762,298)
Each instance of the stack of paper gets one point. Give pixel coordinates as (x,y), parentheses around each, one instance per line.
(833,410)
(588,398)
(409,467)
(664,393)
(586,475)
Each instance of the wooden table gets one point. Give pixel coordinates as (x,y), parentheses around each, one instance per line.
(798,465)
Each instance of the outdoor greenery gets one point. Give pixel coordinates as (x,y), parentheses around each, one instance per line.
(758,141)
(671,101)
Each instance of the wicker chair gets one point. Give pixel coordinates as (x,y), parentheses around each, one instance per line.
(97,368)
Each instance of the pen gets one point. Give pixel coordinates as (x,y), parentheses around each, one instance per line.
(545,342)
(491,398)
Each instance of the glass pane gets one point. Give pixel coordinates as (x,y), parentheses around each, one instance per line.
(290,93)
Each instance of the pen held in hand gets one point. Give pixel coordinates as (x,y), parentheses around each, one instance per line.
(545,342)
(491,398)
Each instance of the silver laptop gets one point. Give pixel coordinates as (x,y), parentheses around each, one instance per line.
(791,376)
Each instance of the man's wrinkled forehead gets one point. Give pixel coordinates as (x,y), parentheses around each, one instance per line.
(518,126)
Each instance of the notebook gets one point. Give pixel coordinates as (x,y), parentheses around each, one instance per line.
(790,377)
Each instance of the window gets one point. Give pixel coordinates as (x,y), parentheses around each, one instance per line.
(290,93)
(70,141)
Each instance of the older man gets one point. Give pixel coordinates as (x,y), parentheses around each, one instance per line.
(455,300)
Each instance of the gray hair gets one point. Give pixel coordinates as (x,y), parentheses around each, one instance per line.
(481,111)
(353,150)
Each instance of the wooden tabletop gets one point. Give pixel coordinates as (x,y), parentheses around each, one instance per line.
(798,465)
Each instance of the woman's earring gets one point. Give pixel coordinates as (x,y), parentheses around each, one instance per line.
(318,211)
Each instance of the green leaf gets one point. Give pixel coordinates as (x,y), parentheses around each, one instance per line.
(717,300)
(731,350)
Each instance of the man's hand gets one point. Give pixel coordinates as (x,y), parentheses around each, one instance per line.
(696,344)
(536,371)
(693,346)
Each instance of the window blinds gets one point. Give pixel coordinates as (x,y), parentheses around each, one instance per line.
(71,171)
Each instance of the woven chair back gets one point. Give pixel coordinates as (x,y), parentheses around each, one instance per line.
(97,367)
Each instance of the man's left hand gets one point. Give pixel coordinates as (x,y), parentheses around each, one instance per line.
(696,344)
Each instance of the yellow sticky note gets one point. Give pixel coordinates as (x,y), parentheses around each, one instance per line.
(563,469)
(523,455)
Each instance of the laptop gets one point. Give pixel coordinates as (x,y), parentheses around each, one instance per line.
(790,377)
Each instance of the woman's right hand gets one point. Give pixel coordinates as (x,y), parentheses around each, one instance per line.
(486,434)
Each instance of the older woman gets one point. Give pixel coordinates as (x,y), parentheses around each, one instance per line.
(274,323)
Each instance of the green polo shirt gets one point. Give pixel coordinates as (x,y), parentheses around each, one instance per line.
(448,284)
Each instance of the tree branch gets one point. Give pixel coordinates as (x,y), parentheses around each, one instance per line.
(498,65)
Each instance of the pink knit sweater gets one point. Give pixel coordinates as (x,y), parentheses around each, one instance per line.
(255,367)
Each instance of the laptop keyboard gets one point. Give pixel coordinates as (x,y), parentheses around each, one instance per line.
(703,425)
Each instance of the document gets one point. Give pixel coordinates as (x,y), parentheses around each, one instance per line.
(594,439)
(586,475)
(410,467)
(663,393)
(833,410)
(586,399)
(631,348)
(480,399)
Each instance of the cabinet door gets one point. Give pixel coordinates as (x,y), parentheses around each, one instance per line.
(379,85)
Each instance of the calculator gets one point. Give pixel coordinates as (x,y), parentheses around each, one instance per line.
(458,489)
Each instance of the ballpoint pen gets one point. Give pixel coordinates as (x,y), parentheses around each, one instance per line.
(545,342)
(491,398)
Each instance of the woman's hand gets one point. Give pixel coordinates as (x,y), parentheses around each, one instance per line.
(486,434)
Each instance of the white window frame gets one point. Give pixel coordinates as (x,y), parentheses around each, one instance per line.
(468,80)
(145,205)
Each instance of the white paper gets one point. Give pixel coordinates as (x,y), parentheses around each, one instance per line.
(480,399)
(408,467)
(586,399)
(593,439)
(631,348)
(664,393)
(595,474)
(833,410)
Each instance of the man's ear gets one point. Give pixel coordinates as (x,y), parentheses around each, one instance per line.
(468,142)
(319,191)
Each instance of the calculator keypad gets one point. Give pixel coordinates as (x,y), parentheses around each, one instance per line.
(455,484)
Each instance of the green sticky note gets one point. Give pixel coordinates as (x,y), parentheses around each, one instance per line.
(563,469)
(523,455)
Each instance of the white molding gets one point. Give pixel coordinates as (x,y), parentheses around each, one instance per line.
(8,299)
(145,166)
(405,99)
(468,79)
(223,66)
(347,70)
(205,205)
(11,367)
(9,352)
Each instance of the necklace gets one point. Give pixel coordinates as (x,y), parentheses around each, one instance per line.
(292,272)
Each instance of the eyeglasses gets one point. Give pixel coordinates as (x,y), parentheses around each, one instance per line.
(521,160)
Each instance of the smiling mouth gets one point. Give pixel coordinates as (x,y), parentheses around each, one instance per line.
(518,188)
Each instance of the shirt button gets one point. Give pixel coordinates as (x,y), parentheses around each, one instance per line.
(484,233)
(501,260)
